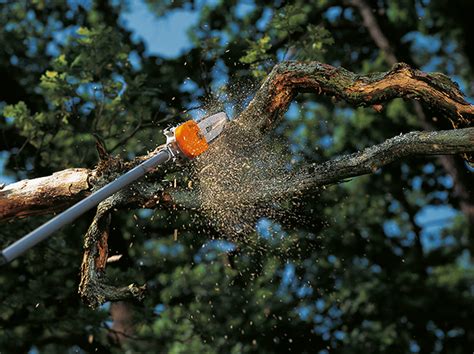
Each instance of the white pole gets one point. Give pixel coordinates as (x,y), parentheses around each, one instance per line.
(44,231)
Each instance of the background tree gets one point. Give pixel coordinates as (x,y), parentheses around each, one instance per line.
(361,268)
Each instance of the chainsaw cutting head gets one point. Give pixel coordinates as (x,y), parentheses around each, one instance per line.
(192,138)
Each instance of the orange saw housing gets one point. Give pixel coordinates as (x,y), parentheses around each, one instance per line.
(190,139)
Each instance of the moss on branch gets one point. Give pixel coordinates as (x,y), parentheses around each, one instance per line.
(286,80)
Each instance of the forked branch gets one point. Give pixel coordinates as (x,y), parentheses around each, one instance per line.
(436,91)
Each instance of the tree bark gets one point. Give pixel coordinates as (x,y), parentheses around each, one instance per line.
(373,158)
(454,166)
(436,91)
(62,189)
(44,195)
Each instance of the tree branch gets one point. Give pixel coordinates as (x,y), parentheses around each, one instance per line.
(44,195)
(63,188)
(92,287)
(434,90)
(445,142)
(51,194)
(369,161)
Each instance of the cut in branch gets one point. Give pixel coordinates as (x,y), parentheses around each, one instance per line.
(371,159)
(435,91)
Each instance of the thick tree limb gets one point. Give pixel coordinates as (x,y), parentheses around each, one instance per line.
(62,189)
(445,142)
(436,91)
(371,159)
(44,195)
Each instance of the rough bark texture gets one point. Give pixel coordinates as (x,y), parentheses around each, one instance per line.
(93,288)
(44,195)
(435,91)
(394,149)
(453,165)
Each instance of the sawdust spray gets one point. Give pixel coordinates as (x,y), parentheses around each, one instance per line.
(245,177)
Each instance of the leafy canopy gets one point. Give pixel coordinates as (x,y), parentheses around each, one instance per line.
(381,263)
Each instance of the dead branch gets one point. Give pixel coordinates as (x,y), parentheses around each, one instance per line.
(371,159)
(435,91)
(44,195)
(93,288)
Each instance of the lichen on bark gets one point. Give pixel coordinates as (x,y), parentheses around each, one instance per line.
(433,90)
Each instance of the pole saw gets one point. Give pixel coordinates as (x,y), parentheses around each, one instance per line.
(187,140)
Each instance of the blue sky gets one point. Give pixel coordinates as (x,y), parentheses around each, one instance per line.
(166,35)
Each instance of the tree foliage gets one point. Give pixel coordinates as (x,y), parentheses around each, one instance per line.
(381,263)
